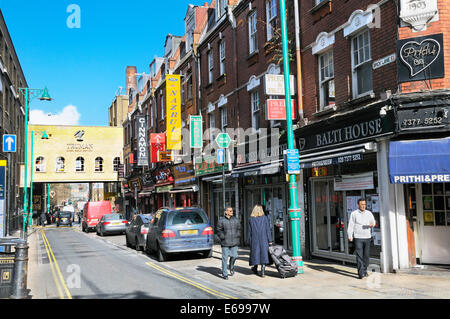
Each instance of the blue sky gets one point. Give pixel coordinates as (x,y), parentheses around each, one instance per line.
(83,67)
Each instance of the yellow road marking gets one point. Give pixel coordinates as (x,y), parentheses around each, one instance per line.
(190,282)
(52,267)
(58,270)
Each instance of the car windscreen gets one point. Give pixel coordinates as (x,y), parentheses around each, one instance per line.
(65,214)
(113,216)
(146,219)
(186,217)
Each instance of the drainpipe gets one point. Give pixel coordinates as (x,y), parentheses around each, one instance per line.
(299,61)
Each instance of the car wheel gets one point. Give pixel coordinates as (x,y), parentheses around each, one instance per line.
(147,248)
(208,253)
(161,256)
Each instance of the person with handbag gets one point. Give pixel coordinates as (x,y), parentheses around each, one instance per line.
(260,237)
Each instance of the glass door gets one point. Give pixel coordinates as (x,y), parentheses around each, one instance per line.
(321,220)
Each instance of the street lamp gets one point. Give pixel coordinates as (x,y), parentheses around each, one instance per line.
(29,95)
(294,210)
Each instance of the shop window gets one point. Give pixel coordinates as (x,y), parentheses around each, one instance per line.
(436,204)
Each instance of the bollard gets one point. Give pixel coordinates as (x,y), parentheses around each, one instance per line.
(19,288)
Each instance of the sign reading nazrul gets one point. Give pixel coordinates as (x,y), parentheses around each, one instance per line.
(142,152)
(173,120)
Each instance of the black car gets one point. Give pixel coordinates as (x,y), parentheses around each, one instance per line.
(64,218)
(136,232)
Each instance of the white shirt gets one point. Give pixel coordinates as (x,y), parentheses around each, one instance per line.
(359,224)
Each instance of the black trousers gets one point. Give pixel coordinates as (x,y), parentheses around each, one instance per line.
(362,251)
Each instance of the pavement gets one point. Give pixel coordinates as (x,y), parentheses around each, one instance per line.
(321,279)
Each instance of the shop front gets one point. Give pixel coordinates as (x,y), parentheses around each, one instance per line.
(163,185)
(185,190)
(340,163)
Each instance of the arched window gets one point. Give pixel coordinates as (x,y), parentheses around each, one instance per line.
(99,164)
(40,164)
(116,164)
(60,164)
(79,164)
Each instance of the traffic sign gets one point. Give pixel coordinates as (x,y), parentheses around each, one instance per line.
(221,156)
(223,140)
(9,143)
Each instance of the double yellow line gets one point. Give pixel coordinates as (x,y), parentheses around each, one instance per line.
(56,271)
(190,282)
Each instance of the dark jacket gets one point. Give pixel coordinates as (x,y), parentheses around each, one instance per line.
(259,236)
(229,231)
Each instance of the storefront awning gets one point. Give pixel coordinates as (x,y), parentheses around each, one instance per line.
(193,188)
(419,161)
(260,169)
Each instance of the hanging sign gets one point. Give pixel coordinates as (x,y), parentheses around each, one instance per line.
(196,127)
(173,120)
(158,144)
(142,151)
(276,110)
(421,58)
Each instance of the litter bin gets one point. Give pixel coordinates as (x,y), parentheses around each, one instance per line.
(6,274)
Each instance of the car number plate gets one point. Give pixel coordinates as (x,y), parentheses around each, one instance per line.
(64,219)
(116,223)
(188,232)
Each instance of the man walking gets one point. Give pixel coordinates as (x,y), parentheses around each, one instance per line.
(229,231)
(359,228)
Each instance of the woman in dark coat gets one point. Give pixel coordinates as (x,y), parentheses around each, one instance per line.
(259,238)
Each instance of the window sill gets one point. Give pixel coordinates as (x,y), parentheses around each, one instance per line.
(364,96)
(321,10)
(253,54)
(326,110)
(319,6)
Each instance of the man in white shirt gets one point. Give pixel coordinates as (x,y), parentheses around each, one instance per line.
(359,229)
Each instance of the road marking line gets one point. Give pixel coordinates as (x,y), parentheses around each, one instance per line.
(61,294)
(190,282)
(58,270)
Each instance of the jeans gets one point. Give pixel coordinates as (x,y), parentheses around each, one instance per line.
(362,251)
(226,253)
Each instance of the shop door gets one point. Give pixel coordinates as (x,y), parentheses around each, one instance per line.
(434,222)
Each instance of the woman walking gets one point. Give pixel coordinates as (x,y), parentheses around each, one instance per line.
(259,238)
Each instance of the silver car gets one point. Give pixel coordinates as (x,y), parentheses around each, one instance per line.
(136,233)
(111,224)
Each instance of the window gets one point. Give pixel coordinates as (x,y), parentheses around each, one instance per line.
(189,92)
(99,164)
(222,57)
(254,101)
(40,164)
(210,66)
(326,78)
(271,13)
(116,164)
(163,111)
(60,164)
(253,42)
(79,164)
(212,126)
(221,6)
(224,118)
(361,64)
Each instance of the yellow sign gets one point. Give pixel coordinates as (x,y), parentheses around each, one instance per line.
(428,217)
(173,120)
(2,163)
(165,156)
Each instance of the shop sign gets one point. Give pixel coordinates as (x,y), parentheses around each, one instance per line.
(121,170)
(163,176)
(206,166)
(434,117)
(157,143)
(173,121)
(354,182)
(319,171)
(276,110)
(333,161)
(184,174)
(142,151)
(420,58)
(165,156)
(196,127)
(164,189)
(274,84)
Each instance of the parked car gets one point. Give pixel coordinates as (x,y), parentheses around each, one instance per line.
(64,218)
(93,212)
(136,231)
(175,230)
(111,224)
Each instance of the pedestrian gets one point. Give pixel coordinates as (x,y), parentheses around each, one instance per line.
(359,229)
(260,238)
(43,218)
(229,232)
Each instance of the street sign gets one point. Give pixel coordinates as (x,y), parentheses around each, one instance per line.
(9,143)
(196,128)
(292,161)
(223,140)
(221,156)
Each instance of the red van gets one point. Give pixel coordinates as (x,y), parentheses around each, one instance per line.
(93,212)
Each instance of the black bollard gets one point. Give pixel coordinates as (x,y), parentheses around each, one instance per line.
(19,288)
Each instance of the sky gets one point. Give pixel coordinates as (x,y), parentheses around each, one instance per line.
(79,50)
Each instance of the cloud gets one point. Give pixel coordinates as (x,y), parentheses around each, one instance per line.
(68,116)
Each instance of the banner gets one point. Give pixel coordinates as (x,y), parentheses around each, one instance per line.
(142,152)
(196,127)
(158,143)
(173,120)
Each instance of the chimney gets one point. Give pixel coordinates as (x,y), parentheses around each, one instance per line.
(131,78)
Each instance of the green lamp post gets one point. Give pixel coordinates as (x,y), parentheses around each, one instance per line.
(294,210)
(29,95)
